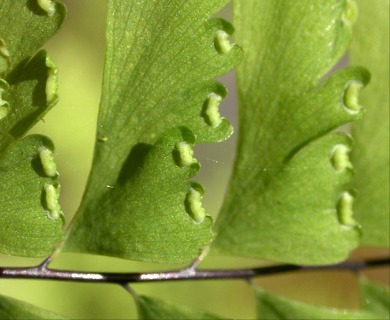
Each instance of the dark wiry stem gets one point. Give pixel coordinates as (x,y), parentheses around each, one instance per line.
(43,272)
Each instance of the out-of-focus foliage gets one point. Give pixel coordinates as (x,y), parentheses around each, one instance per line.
(14,309)
(375,305)
(151,308)
(375,298)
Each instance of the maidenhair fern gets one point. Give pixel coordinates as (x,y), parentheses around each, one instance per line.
(286,107)
(295,183)
(28,92)
(375,305)
(371,154)
(177,52)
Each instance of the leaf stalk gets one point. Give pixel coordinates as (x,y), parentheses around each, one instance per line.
(42,272)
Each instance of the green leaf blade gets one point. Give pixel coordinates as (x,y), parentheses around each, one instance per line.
(160,61)
(375,298)
(29,210)
(156,217)
(33,28)
(274,203)
(28,79)
(11,308)
(292,217)
(31,218)
(270,306)
(29,95)
(371,153)
(151,308)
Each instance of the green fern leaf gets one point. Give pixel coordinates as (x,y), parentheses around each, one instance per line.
(160,59)
(151,308)
(28,85)
(26,97)
(31,217)
(30,214)
(11,308)
(270,306)
(371,153)
(375,298)
(157,213)
(289,198)
(25,26)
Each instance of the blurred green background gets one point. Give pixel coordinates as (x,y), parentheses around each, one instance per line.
(78,50)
